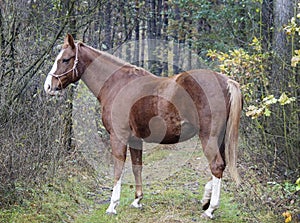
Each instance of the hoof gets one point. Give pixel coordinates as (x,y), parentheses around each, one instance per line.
(205,205)
(136,204)
(111,211)
(207,216)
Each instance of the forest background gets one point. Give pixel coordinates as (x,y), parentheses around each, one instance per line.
(256,42)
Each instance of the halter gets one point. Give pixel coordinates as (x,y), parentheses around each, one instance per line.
(74,68)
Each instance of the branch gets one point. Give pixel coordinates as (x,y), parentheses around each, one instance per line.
(38,63)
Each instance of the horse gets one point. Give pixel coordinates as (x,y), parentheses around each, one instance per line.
(138,106)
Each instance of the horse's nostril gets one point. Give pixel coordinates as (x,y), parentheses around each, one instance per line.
(56,88)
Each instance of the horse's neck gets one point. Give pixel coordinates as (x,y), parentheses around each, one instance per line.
(99,67)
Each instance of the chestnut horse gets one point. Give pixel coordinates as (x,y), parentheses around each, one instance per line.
(138,106)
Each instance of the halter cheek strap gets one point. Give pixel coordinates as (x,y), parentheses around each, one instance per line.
(73,69)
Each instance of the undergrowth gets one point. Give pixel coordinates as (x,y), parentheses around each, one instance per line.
(77,194)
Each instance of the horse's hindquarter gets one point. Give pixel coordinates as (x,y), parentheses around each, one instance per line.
(208,90)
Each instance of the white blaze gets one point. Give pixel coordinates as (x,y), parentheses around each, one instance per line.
(48,82)
(54,67)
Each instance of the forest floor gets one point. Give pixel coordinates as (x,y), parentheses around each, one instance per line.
(174,180)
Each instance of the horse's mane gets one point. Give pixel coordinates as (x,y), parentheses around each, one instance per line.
(108,56)
(118,61)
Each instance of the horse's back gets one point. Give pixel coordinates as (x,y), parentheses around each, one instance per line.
(206,79)
(205,87)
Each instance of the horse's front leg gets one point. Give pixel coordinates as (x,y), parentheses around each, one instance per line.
(136,153)
(119,151)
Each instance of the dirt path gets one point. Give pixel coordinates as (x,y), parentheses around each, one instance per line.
(163,161)
(174,178)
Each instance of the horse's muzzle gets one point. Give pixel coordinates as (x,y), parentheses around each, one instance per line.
(49,89)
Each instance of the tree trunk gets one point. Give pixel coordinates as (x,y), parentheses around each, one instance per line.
(2,38)
(143,34)
(189,65)
(127,31)
(151,29)
(176,48)
(282,78)
(159,19)
(136,54)
(282,14)
(165,25)
(267,24)
(68,119)
(107,26)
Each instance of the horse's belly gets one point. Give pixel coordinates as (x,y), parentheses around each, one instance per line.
(160,120)
(159,130)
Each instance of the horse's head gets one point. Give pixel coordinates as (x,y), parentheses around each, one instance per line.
(64,70)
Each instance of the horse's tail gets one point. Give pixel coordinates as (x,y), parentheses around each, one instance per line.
(232,127)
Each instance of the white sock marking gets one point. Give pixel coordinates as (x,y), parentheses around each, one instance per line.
(215,197)
(136,203)
(115,198)
(207,193)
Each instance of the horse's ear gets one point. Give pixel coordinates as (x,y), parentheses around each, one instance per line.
(69,41)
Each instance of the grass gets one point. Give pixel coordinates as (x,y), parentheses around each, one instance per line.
(177,199)
(170,195)
(59,201)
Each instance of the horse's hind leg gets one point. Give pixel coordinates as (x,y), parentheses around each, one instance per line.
(206,195)
(211,197)
(136,153)
(119,156)
(215,197)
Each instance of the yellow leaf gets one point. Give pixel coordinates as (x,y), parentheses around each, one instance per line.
(270,99)
(298,184)
(288,219)
(298,181)
(295,60)
(284,99)
(255,40)
(267,112)
(288,216)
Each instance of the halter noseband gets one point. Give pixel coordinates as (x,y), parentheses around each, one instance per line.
(74,68)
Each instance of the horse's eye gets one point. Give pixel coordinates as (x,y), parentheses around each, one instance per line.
(66,60)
